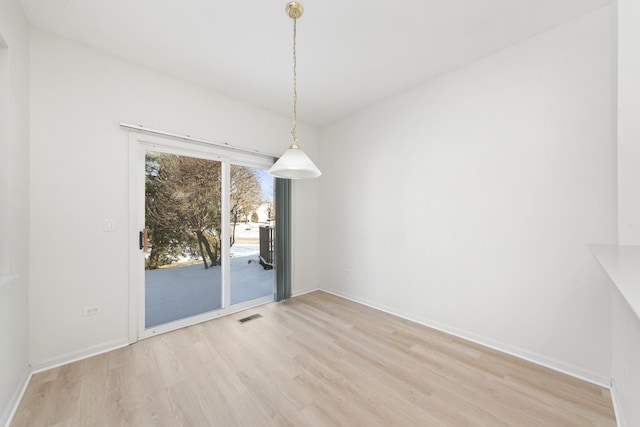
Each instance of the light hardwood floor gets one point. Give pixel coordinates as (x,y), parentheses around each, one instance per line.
(315,360)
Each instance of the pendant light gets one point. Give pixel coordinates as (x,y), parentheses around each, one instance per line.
(294,163)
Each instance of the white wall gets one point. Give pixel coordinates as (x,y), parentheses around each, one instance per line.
(79,177)
(14,205)
(629,121)
(468,202)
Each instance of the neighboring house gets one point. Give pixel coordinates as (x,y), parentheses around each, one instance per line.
(263,213)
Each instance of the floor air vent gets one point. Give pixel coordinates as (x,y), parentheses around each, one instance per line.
(246,319)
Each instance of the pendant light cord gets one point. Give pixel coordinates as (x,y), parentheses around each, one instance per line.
(295,91)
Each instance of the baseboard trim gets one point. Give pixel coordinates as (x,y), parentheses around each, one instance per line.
(12,407)
(538,359)
(308,291)
(74,356)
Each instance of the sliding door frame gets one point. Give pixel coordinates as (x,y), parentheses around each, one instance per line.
(139,144)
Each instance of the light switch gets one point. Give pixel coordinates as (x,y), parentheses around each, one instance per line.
(109,224)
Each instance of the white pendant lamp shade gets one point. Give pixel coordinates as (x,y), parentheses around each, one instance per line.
(294,164)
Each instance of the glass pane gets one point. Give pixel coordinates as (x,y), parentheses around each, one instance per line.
(251,234)
(183,219)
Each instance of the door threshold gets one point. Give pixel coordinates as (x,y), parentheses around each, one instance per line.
(204,317)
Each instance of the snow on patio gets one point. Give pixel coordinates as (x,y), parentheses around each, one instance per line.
(179,292)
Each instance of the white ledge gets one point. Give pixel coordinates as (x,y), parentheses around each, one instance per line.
(6,279)
(622,264)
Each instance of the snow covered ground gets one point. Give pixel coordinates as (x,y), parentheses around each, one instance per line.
(179,292)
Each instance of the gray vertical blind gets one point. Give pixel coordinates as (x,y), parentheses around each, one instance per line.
(283,239)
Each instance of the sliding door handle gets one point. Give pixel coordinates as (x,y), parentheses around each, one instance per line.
(145,246)
(142,240)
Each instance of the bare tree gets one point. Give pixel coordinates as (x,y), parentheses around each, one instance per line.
(183,206)
(245,195)
(198,186)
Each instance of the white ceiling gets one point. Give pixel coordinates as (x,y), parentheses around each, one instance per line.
(350,53)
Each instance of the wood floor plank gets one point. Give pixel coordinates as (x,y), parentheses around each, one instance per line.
(315,360)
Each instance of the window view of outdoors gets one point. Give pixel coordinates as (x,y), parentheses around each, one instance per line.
(183,218)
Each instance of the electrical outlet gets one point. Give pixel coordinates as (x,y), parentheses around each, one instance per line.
(90,311)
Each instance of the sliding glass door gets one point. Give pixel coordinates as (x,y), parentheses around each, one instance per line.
(251,234)
(205,234)
(183,224)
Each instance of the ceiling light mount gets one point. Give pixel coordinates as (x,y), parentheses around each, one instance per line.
(294,10)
